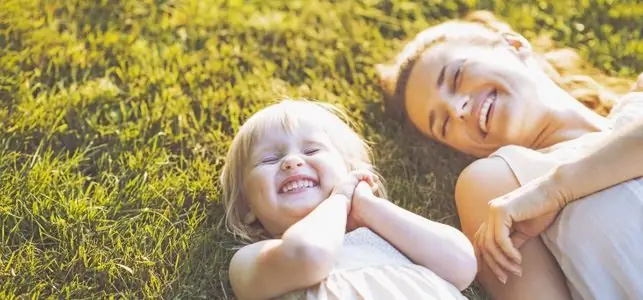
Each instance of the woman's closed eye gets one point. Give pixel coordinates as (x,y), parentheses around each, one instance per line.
(456,76)
(444,126)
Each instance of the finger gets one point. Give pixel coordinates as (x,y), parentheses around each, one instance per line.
(502,239)
(362,185)
(369,178)
(493,252)
(518,239)
(477,247)
(494,267)
(366,175)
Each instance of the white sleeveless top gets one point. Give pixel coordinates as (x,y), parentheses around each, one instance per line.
(597,240)
(369,267)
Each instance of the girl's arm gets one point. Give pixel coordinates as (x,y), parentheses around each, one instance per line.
(441,248)
(302,257)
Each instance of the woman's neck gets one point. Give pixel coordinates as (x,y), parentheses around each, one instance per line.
(569,119)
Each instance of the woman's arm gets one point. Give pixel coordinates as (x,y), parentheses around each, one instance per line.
(438,247)
(617,159)
(302,257)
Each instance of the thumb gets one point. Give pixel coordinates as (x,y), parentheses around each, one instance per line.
(363,187)
(518,239)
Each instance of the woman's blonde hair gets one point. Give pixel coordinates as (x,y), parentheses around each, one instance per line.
(564,66)
(286,115)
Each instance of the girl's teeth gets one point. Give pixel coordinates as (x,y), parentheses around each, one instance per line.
(297,185)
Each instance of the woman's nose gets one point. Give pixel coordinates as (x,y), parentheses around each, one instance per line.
(292,162)
(461,106)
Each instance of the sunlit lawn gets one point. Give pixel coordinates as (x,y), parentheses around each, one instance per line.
(115,117)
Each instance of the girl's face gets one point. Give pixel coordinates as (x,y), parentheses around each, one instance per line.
(477,95)
(289,174)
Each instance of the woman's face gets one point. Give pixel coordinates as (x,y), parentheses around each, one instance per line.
(477,95)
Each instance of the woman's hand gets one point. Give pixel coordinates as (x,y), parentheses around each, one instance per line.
(512,220)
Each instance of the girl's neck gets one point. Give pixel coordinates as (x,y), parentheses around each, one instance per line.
(569,119)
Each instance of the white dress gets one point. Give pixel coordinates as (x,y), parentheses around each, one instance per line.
(596,240)
(369,267)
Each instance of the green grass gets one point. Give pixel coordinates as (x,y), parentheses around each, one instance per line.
(115,117)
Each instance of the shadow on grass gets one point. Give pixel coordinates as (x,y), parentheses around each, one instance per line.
(204,272)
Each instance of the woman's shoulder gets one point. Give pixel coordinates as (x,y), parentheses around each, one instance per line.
(627,109)
(486,178)
(508,168)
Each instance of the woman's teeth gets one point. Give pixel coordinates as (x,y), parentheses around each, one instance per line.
(484,111)
(299,184)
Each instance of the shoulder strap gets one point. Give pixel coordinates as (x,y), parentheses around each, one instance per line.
(526,164)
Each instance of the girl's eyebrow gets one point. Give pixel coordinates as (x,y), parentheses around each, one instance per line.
(312,142)
(261,149)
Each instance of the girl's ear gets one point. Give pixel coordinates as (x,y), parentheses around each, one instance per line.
(518,43)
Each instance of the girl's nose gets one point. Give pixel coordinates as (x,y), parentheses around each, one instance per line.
(292,162)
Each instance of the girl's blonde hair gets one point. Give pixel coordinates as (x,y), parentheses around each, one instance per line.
(286,115)
(564,66)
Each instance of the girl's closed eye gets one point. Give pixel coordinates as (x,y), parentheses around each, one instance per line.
(270,159)
(311,151)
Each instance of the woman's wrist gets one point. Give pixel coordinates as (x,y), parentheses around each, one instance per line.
(539,197)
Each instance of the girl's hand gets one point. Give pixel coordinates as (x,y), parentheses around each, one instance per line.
(512,220)
(364,193)
(347,186)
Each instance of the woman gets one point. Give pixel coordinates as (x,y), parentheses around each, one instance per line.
(480,88)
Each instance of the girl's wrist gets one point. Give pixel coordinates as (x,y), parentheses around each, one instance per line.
(366,205)
(341,198)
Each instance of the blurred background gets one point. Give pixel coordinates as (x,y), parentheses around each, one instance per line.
(115,117)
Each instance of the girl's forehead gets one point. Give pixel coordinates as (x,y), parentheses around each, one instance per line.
(282,133)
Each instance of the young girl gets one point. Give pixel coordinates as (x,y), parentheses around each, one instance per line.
(297,179)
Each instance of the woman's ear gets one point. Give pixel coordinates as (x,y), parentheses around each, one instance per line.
(388,75)
(519,44)
(638,86)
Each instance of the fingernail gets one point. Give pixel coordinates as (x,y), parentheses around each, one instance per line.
(502,279)
(518,272)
